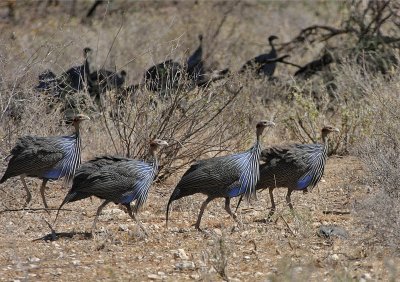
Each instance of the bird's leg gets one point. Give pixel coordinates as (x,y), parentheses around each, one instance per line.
(288,201)
(42,188)
(240,200)
(28,194)
(271,196)
(203,207)
(228,208)
(99,209)
(132,215)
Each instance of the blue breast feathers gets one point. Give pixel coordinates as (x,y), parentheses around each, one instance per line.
(235,191)
(304,182)
(69,162)
(55,173)
(128,198)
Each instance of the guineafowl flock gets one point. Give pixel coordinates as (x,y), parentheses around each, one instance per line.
(164,77)
(124,181)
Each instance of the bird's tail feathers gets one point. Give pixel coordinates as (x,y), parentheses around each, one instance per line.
(3,179)
(66,200)
(173,197)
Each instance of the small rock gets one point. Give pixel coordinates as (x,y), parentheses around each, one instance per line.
(366,276)
(329,231)
(218,232)
(258,274)
(194,276)
(182,254)
(246,257)
(113,213)
(175,229)
(161,273)
(123,227)
(335,257)
(185,265)
(76,262)
(154,277)
(34,259)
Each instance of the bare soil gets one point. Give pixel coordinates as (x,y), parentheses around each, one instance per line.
(288,248)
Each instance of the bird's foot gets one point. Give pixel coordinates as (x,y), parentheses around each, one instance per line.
(197,227)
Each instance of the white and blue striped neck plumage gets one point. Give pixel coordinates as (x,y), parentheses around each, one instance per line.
(146,171)
(248,164)
(316,165)
(71,148)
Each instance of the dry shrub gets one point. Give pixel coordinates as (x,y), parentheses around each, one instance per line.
(197,122)
(381,153)
(304,107)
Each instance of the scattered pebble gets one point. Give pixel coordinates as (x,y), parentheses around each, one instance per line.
(366,276)
(335,257)
(123,227)
(34,259)
(218,232)
(329,231)
(154,277)
(185,265)
(76,262)
(258,274)
(181,254)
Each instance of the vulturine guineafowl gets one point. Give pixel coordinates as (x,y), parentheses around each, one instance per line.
(107,80)
(77,78)
(195,65)
(315,66)
(48,82)
(116,179)
(264,64)
(48,158)
(296,167)
(163,75)
(226,177)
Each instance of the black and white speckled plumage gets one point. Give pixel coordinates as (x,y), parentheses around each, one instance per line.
(226,177)
(46,158)
(116,179)
(295,167)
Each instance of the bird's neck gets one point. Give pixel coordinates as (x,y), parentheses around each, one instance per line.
(325,141)
(259,132)
(152,157)
(76,126)
(272,46)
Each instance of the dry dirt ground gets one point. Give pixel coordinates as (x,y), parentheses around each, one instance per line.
(286,249)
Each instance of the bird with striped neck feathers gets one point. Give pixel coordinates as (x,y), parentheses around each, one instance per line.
(116,179)
(297,167)
(48,158)
(222,177)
